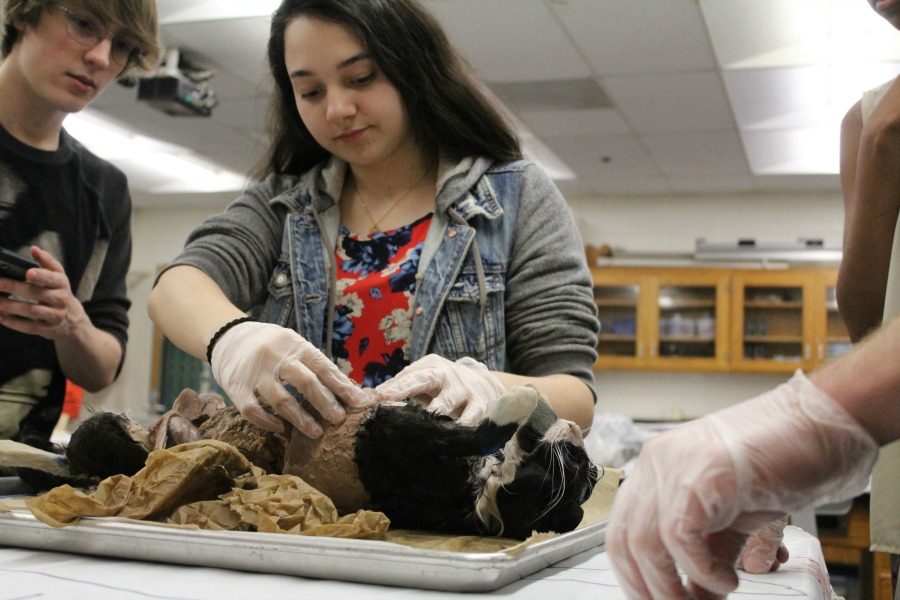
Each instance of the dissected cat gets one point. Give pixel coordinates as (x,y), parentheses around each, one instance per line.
(521,470)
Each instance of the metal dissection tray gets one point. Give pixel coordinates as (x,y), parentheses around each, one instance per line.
(363,561)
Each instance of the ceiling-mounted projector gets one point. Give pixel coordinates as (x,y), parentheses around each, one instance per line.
(177,90)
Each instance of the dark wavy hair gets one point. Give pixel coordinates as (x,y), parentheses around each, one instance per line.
(447,110)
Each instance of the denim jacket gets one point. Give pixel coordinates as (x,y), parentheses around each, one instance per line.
(502,277)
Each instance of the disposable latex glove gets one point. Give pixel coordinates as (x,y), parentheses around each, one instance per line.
(253,362)
(699,490)
(464,390)
(764,551)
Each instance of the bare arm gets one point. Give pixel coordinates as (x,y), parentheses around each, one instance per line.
(866,382)
(89,356)
(871,188)
(189,307)
(570,397)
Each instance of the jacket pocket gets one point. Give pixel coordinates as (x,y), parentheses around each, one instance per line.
(465,328)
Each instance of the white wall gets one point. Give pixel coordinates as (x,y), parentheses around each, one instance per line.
(671,225)
(639,225)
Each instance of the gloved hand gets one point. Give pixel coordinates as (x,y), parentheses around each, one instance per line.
(699,490)
(253,362)
(464,389)
(764,551)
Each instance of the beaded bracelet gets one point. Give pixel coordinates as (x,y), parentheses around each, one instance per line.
(221,332)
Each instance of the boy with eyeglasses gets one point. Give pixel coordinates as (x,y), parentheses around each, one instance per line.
(62,206)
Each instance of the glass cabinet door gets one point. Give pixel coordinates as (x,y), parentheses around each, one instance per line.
(617,307)
(775,330)
(687,321)
(773,323)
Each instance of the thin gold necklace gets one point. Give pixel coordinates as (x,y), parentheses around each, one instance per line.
(375,228)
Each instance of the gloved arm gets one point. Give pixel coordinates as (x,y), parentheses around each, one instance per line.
(464,389)
(253,362)
(699,490)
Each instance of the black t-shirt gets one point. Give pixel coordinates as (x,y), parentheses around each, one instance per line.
(76,206)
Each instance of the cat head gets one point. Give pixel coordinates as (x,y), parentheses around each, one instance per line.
(538,481)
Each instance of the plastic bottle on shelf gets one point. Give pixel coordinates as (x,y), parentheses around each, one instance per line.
(706,326)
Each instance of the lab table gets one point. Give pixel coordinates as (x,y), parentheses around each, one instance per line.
(48,575)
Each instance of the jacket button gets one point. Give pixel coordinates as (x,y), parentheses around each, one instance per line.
(451,233)
(280,279)
(419,310)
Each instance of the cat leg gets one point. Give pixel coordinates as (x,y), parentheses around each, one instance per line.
(516,405)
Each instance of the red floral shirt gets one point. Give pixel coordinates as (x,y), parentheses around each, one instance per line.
(376,282)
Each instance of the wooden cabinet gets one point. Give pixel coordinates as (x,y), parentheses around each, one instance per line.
(620,296)
(672,319)
(717,319)
(773,324)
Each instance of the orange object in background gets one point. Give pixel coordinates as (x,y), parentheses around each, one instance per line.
(73,400)
(71,408)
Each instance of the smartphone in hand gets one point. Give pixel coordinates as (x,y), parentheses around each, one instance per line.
(14,265)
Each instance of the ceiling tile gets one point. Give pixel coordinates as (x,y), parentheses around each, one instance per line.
(807,96)
(510,40)
(777,33)
(574,122)
(637,36)
(711,184)
(812,151)
(694,101)
(697,153)
(673,128)
(596,156)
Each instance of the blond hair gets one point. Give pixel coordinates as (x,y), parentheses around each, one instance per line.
(137,18)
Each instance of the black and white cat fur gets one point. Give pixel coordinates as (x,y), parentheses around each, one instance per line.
(520,471)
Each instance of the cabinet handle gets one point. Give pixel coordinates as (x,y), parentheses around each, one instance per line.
(806,351)
(821,351)
(640,349)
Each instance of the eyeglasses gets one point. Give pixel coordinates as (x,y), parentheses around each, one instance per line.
(88,31)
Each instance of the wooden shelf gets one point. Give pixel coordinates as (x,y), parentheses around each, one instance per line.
(769,304)
(611,337)
(686,304)
(772,339)
(615,303)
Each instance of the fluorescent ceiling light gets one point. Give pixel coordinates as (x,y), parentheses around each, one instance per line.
(150,164)
(180,11)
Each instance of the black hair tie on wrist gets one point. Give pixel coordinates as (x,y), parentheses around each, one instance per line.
(221,332)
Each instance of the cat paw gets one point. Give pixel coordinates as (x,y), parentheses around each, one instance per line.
(516,405)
